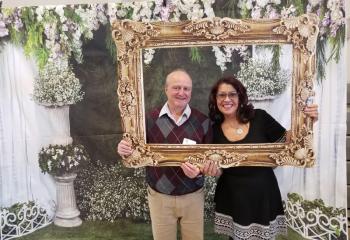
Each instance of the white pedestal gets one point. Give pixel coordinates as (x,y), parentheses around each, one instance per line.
(67,213)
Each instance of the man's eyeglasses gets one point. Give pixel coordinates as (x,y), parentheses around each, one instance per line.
(223,96)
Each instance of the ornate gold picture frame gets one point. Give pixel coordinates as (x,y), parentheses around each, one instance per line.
(132,37)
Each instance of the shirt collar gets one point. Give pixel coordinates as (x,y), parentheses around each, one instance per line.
(185,114)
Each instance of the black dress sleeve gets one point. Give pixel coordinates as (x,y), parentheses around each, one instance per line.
(274,131)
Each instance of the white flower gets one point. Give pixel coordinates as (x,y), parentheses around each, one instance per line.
(64,28)
(220,58)
(287,12)
(334,4)
(261,80)
(261,3)
(59,9)
(148,55)
(314,3)
(50,7)
(49,164)
(248,4)
(271,12)
(111,11)
(256,12)
(57,86)
(336,15)
(223,56)
(39,13)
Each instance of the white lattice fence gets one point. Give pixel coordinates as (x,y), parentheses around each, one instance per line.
(315,224)
(27,219)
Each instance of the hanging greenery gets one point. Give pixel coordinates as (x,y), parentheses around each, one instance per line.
(195,55)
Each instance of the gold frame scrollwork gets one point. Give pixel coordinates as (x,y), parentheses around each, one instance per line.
(131,37)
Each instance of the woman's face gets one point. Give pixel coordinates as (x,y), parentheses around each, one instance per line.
(227,100)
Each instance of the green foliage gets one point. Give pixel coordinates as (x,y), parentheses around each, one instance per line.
(16,37)
(28,16)
(71,14)
(337,43)
(195,55)
(31,38)
(110,44)
(16,208)
(34,38)
(129,13)
(245,12)
(300,6)
(42,55)
(229,9)
(276,54)
(321,58)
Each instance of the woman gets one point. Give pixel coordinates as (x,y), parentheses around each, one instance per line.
(248,200)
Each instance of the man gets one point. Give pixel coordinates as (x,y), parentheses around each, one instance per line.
(175,194)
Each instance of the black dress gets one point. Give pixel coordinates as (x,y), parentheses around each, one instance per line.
(248,200)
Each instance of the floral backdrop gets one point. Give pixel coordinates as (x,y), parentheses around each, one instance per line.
(54,32)
(67,41)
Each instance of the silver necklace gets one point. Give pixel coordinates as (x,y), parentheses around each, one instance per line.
(239,131)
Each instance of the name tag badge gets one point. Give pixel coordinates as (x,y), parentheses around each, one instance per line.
(188,141)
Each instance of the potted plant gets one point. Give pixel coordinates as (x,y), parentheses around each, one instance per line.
(62,161)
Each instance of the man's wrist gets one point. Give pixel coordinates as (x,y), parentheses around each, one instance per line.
(199,175)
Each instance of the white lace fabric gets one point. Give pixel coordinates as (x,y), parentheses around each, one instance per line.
(224,224)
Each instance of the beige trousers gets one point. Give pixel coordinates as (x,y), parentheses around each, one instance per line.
(167,211)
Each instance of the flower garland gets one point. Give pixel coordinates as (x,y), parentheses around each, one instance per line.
(330,12)
(54,32)
(172,11)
